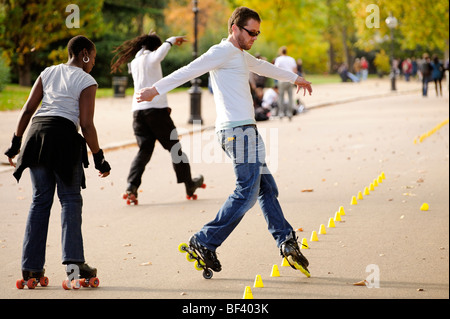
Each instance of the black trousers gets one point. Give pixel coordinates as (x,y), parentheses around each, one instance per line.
(153,125)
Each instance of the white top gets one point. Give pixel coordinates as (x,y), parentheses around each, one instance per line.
(286,63)
(146,70)
(269,97)
(62,86)
(229,70)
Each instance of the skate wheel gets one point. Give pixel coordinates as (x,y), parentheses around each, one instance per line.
(303,270)
(84,283)
(198,266)
(190,257)
(207,274)
(32,283)
(76,284)
(125,196)
(94,282)
(128,202)
(20,283)
(66,284)
(203,186)
(43,281)
(182,248)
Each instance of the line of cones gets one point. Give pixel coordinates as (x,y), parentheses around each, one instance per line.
(248,294)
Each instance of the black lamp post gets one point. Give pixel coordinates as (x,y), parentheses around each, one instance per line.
(195,91)
(391,22)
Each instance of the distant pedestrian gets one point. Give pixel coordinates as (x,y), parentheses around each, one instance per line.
(300,67)
(407,69)
(425,71)
(287,63)
(357,68)
(364,68)
(151,120)
(270,100)
(437,73)
(55,152)
(414,67)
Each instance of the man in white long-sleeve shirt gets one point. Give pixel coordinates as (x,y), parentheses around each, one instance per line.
(229,66)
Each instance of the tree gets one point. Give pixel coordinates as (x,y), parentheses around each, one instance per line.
(29,26)
(421,24)
(297,24)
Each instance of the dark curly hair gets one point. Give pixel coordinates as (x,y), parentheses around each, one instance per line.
(127,50)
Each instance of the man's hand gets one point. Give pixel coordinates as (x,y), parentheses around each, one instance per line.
(146,94)
(302,83)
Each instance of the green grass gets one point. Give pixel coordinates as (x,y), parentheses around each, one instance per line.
(13,97)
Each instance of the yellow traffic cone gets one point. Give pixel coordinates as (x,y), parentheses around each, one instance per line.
(322,230)
(331,223)
(371,188)
(383,176)
(304,244)
(380,179)
(424,206)
(258,282)
(314,236)
(285,263)
(337,217)
(360,196)
(275,272)
(366,191)
(341,210)
(248,293)
(375,182)
(353,202)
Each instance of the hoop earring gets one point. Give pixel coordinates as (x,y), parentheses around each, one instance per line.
(85,60)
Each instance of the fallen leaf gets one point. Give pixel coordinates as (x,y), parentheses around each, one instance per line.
(308,190)
(146,264)
(360,283)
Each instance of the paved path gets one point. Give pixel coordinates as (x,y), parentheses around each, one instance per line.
(319,160)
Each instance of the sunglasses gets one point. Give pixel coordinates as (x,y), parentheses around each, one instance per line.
(252,33)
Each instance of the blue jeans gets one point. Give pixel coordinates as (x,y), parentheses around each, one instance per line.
(425,81)
(253,182)
(44,182)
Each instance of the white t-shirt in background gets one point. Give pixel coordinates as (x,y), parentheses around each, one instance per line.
(286,63)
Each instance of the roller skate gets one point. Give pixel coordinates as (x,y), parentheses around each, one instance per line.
(291,251)
(193,185)
(31,279)
(204,258)
(131,195)
(80,275)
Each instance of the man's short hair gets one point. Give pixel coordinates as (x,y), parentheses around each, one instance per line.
(240,17)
